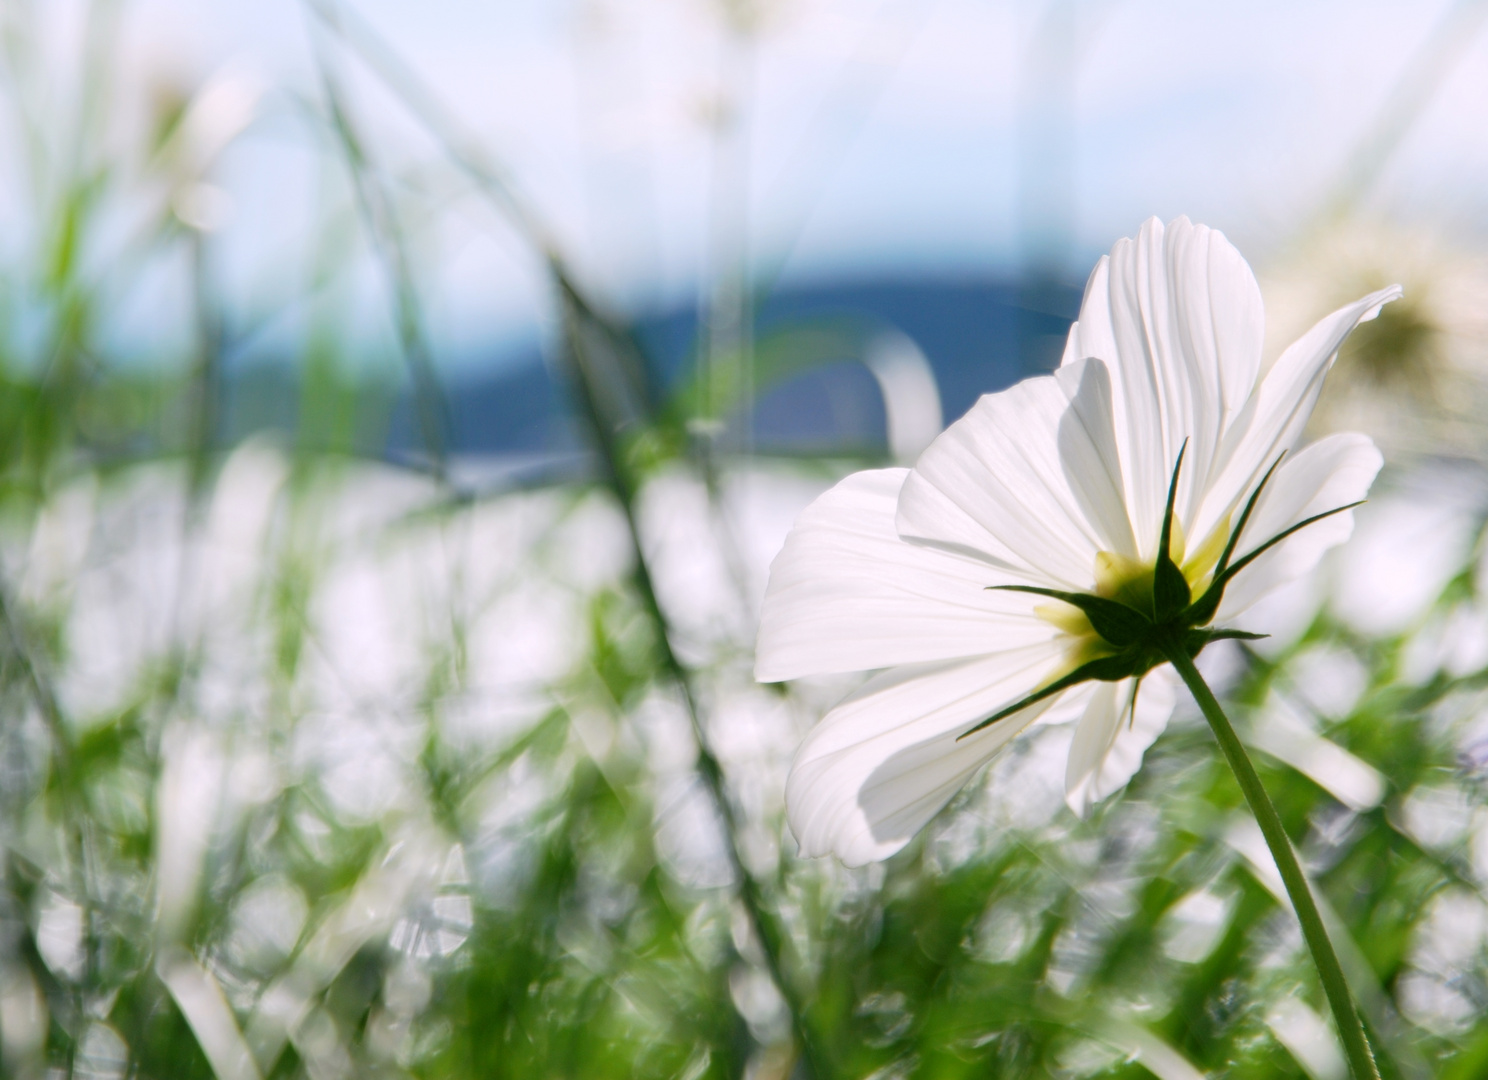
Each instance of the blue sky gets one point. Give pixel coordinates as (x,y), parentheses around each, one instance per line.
(896,137)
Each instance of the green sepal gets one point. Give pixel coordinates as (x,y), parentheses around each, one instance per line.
(1250,504)
(1114,621)
(1233,635)
(1195,640)
(1203,610)
(1170,592)
(1279,537)
(1207,605)
(1104,669)
(1176,619)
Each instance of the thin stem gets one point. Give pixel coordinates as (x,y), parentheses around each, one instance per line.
(580,364)
(390,244)
(1350,1028)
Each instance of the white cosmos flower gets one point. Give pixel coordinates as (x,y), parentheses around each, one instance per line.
(1058,483)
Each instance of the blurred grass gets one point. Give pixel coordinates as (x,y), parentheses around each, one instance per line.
(317,766)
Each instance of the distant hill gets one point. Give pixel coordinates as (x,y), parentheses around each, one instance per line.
(978,336)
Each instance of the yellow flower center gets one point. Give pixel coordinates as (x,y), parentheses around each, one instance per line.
(1128,580)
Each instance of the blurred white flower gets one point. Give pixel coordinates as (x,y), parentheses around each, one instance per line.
(193,131)
(1059,484)
(1418,376)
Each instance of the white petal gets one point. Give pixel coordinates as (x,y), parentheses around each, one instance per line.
(1332,472)
(1280,407)
(1091,334)
(1109,740)
(1220,319)
(882,763)
(1087,451)
(1027,480)
(1143,438)
(1187,321)
(847,594)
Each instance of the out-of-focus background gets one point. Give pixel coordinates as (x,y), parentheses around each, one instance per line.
(400,405)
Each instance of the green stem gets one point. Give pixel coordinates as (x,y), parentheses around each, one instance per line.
(587,383)
(1350,1028)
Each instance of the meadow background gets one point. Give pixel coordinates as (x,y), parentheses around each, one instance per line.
(400,406)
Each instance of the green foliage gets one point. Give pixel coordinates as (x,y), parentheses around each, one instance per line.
(1004,942)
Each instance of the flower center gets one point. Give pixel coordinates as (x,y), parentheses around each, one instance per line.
(1140,616)
(1129,581)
